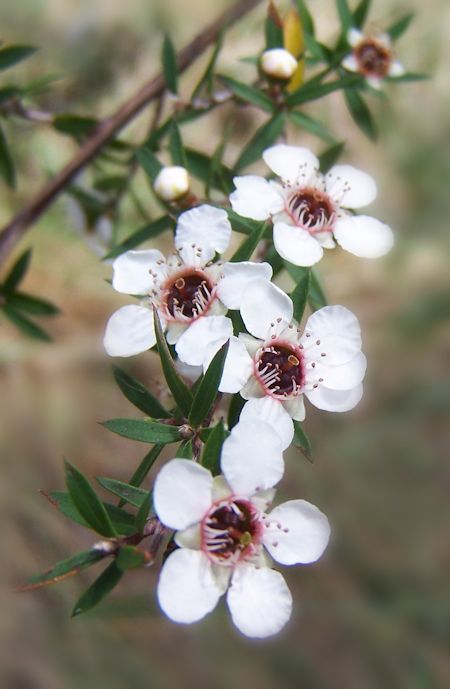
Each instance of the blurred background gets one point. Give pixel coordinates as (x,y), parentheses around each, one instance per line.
(375,611)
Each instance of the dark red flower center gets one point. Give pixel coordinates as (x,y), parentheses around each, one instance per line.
(312,209)
(230,530)
(188,295)
(280,370)
(373,57)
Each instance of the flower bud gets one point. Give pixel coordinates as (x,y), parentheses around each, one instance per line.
(172,183)
(278,63)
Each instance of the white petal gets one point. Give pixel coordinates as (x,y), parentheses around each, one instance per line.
(338,332)
(264,304)
(187,588)
(343,377)
(350,187)
(252,389)
(191,373)
(129,331)
(335,400)
(204,336)
(263,499)
(238,367)
(252,344)
(190,537)
(237,277)
(255,198)
(292,163)
(131,271)
(296,245)
(298,533)
(207,228)
(350,63)
(271,411)
(259,601)
(252,457)
(364,236)
(175,331)
(295,407)
(182,493)
(354,36)
(221,489)
(375,82)
(396,69)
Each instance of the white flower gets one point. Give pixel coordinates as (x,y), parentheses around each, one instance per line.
(172,183)
(191,293)
(226,534)
(278,63)
(372,56)
(324,362)
(310,210)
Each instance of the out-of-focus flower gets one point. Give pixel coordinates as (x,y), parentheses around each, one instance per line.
(191,293)
(311,210)
(324,362)
(278,63)
(172,183)
(373,57)
(226,534)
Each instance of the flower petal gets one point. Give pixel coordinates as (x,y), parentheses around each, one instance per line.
(259,601)
(298,532)
(201,232)
(132,271)
(343,377)
(295,407)
(130,330)
(236,278)
(252,389)
(203,338)
(296,245)
(334,400)
(265,308)
(252,457)
(350,63)
(354,36)
(238,367)
(254,197)
(294,164)
(350,187)
(189,538)
(182,493)
(364,236)
(187,588)
(333,331)
(396,69)
(271,411)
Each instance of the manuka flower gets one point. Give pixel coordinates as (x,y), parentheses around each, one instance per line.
(310,211)
(372,56)
(227,536)
(190,292)
(324,362)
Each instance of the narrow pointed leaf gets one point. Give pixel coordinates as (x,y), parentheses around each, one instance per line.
(273,28)
(130,557)
(249,94)
(169,63)
(305,16)
(131,494)
(7,170)
(63,570)
(329,157)
(360,13)
(264,137)
(177,152)
(184,450)
(33,305)
(17,272)
(149,162)
(181,393)
(139,395)
(234,411)
(144,430)
(244,252)
(145,466)
(199,165)
(300,294)
(242,225)
(409,76)
(345,15)
(310,92)
(311,125)
(302,441)
(143,234)
(103,585)
(399,27)
(207,391)
(213,448)
(206,80)
(25,325)
(87,501)
(360,113)
(143,512)
(122,521)
(13,54)
(317,297)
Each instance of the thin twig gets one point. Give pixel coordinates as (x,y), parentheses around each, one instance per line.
(106,130)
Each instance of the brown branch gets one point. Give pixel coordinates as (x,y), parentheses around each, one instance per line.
(106,130)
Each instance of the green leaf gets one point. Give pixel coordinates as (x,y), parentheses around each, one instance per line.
(139,395)
(143,234)
(300,294)
(409,76)
(75,125)
(130,557)
(9,92)
(149,162)
(316,296)
(244,252)
(131,494)
(13,54)
(360,13)
(302,441)
(264,137)
(213,448)
(206,80)
(169,63)
(184,450)
(17,272)
(181,393)
(310,124)
(145,466)
(7,170)
(143,512)
(64,569)
(144,430)
(199,165)
(249,94)
(274,259)
(25,325)
(305,16)
(177,152)
(399,27)
(345,15)
(87,501)
(218,175)
(360,113)
(329,157)
(207,390)
(122,521)
(103,585)
(307,93)
(34,305)
(273,28)
(241,224)
(234,410)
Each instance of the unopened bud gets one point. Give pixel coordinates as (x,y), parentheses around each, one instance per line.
(172,183)
(278,63)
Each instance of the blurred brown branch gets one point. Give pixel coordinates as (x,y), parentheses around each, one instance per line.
(12,233)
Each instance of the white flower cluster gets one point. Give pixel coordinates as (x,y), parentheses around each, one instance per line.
(226,536)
